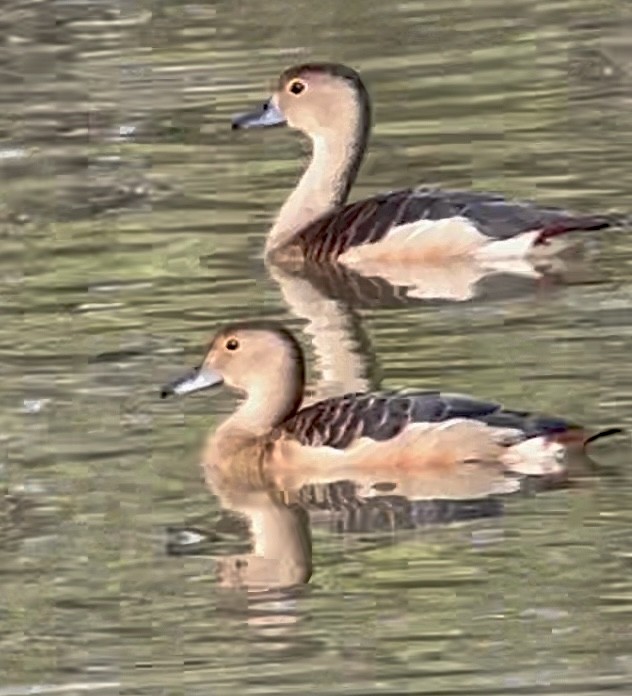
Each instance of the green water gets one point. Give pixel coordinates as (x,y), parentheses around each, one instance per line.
(132,222)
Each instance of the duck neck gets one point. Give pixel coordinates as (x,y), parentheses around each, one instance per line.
(336,157)
(269,403)
(264,409)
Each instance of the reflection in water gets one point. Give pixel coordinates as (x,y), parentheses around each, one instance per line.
(345,360)
(278,561)
(329,296)
(384,285)
(281,555)
(119,174)
(382,498)
(461,280)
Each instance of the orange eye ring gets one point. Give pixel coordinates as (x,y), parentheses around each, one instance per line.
(296,87)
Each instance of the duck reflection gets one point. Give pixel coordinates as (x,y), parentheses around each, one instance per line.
(343,352)
(261,540)
(330,298)
(387,285)
(281,548)
(270,554)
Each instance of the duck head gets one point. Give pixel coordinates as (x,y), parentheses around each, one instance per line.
(313,97)
(261,360)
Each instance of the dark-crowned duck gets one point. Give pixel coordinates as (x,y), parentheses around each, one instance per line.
(330,104)
(436,445)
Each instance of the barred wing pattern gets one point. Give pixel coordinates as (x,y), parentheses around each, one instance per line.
(367,221)
(339,421)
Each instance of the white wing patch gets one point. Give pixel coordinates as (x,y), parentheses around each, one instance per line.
(441,259)
(537,456)
(444,259)
(422,241)
(517,247)
(438,241)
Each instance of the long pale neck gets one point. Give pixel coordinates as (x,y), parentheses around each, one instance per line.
(263,410)
(325,184)
(268,404)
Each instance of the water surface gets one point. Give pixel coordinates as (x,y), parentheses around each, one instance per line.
(132,222)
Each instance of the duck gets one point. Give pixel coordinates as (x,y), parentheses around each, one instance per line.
(330,104)
(433,445)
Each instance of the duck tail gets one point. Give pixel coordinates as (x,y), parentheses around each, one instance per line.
(607,432)
(577,224)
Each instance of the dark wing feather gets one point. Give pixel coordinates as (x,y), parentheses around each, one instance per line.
(386,513)
(338,421)
(369,220)
(342,284)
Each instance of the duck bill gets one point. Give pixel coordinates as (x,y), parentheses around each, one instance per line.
(266,116)
(195,380)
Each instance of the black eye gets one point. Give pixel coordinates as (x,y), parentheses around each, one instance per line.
(232,344)
(296,87)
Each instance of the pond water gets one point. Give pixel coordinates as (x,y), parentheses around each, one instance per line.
(132,223)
